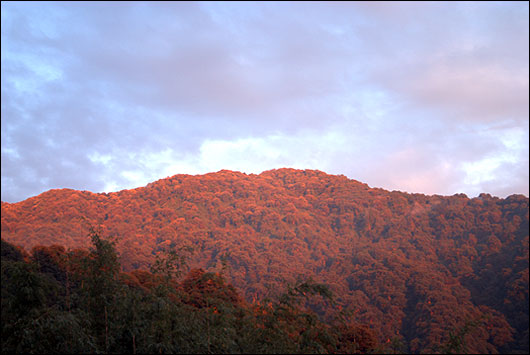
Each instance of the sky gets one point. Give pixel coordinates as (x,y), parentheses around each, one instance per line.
(423,97)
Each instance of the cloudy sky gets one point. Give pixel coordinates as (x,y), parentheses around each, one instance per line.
(418,97)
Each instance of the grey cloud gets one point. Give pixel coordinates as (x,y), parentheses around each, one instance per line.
(510,178)
(205,63)
(138,78)
(472,69)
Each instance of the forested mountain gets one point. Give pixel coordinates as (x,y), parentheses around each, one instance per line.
(416,269)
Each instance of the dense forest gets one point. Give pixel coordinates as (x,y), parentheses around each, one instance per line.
(415,273)
(58,301)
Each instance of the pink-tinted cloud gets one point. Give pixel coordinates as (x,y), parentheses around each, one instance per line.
(133,81)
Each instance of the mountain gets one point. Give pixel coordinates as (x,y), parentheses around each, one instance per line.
(415,268)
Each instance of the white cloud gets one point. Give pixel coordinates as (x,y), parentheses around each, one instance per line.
(103,97)
(502,168)
(250,155)
(96,157)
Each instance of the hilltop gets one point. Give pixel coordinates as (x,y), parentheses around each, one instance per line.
(413,267)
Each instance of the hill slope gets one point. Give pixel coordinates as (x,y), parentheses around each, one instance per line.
(414,267)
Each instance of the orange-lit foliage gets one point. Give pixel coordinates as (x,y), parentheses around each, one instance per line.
(355,339)
(413,267)
(208,289)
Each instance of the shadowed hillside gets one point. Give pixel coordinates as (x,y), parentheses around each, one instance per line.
(415,268)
